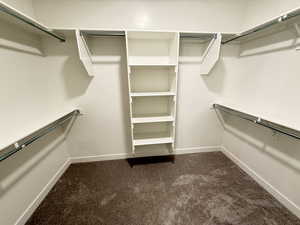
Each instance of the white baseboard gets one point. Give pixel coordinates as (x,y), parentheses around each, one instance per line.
(266,185)
(202,149)
(40,197)
(177,151)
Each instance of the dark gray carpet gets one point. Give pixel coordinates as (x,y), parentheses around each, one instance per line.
(195,189)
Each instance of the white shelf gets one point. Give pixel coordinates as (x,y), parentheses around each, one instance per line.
(155,119)
(41,122)
(16,17)
(151,94)
(152,64)
(153,141)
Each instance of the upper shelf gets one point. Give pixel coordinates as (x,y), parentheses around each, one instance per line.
(283,18)
(147,48)
(35,132)
(14,16)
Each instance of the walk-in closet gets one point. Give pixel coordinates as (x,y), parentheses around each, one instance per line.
(149,112)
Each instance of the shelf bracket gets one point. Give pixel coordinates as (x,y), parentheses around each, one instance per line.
(211,54)
(84,53)
(297,28)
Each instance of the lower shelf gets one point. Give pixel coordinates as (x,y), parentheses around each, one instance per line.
(154,119)
(153,141)
(152,94)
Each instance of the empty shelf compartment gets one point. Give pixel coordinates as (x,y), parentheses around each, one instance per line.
(154,79)
(152,48)
(153,106)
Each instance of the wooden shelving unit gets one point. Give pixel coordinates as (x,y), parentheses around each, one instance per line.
(152,77)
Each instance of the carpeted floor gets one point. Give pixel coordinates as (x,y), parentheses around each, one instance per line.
(195,189)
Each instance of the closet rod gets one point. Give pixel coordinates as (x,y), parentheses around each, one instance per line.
(191,35)
(24,142)
(103,33)
(4,8)
(268,24)
(257,120)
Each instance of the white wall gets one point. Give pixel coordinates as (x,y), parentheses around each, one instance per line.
(210,15)
(24,176)
(266,84)
(104,127)
(30,96)
(197,124)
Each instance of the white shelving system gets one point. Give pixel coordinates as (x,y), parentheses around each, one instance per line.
(152,59)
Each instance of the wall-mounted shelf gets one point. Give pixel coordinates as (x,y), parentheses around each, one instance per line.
(277,127)
(268,24)
(85,54)
(27,23)
(21,143)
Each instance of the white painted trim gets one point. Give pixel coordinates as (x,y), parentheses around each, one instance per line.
(201,149)
(178,151)
(95,158)
(265,184)
(43,193)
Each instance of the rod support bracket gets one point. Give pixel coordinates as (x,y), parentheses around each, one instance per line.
(258,120)
(297,28)
(16,145)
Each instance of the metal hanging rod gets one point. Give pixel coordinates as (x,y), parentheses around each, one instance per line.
(198,35)
(103,33)
(21,144)
(257,120)
(268,24)
(6,9)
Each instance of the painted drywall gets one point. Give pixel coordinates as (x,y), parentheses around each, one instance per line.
(25,175)
(30,95)
(197,124)
(104,127)
(267,85)
(143,14)
(259,11)
(24,6)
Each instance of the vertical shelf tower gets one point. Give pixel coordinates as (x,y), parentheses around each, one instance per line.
(152,59)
